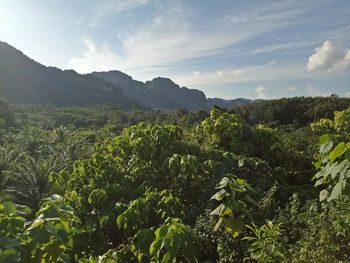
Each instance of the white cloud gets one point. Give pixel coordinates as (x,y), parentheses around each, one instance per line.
(329,57)
(168,38)
(282,47)
(117,6)
(172,35)
(260,91)
(250,73)
(347,94)
(107,8)
(95,59)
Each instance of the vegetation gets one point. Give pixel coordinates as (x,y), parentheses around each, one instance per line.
(100,184)
(298,110)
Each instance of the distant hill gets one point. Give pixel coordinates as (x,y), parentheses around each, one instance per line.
(137,90)
(227,103)
(23,80)
(190,99)
(164,93)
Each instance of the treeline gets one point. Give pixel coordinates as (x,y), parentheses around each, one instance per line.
(298,110)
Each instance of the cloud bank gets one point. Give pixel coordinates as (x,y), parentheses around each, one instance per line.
(329,58)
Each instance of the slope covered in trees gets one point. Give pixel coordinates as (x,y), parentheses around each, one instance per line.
(175,187)
(190,99)
(137,90)
(23,80)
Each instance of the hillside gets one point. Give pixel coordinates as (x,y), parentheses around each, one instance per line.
(190,99)
(136,90)
(23,80)
(164,93)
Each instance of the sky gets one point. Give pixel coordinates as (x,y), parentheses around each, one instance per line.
(228,49)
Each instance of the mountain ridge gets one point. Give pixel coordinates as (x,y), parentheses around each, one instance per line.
(24,80)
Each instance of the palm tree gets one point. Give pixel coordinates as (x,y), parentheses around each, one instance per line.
(8,157)
(59,134)
(33,142)
(28,181)
(71,149)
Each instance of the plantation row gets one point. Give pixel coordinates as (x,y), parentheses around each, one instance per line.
(204,188)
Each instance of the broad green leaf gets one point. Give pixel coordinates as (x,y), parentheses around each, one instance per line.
(234,226)
(326,147)
(36,223)
(324,194)
(103,220)
(120,220)
(9,208)
(220,195)
(324,138)
(319,182)
(338,151)
(223,183)
(336,192)
(218,224)
(219,210)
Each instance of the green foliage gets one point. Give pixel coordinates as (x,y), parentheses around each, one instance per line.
(234,197)
(7,118)
(322,126)
(220,130)
(12,226)
(150,210)
(342,121)
(158,191)
(43,239)
(268,243)
(173,241)
(334,165)
(340,124)
(299,111)
(28,182)
(316,233)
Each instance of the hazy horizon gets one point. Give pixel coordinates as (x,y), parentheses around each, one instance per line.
(230,49)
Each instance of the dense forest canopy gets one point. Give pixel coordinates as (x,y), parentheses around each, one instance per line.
(266,182)
(297,110)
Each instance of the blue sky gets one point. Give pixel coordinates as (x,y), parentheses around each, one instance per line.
(228,49)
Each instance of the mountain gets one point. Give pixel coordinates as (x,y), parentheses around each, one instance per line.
(157,93)
(137,90)
(227,103)
(23,80)
(164,93)
(190,99)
